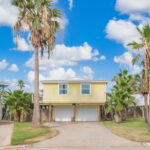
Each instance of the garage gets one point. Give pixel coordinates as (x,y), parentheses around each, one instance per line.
(63,113)
(86,113)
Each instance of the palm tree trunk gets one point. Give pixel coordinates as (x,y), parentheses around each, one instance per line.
(148,101)
(146,107)
(117,117)
(36,110)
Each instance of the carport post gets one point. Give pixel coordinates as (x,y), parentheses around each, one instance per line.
(99,112)
(74,112)
(51,113)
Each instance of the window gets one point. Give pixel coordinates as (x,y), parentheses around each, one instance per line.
(85,89)
(63,89)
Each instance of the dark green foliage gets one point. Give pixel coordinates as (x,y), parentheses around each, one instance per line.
(121,95)
(18,102)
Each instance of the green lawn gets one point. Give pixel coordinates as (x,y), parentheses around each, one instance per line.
(132,129)
(23,131)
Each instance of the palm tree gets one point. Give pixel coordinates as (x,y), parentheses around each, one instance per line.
(121,96)
(144,44)
(42,23)
(21,84)
(18,103)
(138,89)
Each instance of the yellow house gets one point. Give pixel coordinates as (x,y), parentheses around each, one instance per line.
(73,100)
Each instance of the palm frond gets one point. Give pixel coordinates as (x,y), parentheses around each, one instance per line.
(43,23)
(146,32)
(135,45)
(140,31)
(136,59)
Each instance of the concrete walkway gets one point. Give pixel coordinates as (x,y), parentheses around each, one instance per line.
(6,129)
(84,136)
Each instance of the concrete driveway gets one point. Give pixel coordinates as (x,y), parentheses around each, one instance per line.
(85,136)
(6,129)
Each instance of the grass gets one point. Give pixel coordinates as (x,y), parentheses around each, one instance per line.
(134,129)
(23,131)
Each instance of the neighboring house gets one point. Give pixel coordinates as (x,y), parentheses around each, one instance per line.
(3,85)
(72,100)
(1,111)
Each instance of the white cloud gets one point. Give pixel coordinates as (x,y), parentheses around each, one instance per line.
(8,13)
(65,56)
(12,83)
(125,61)
(133,6)
(140,18)
(99,58)
(3,64)
(102,57)
(55,1)
(13,68)
(30,77)
(54,74)
(126,58)
(70,4)
(88,72)
(22,45)
(122,31)
(61,74)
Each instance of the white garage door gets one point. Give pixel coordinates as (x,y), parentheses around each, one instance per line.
(63,113)
(87,113)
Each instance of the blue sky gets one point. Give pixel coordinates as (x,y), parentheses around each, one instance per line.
(91,42)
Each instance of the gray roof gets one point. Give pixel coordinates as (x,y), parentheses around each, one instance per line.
(74,81)
(3,83)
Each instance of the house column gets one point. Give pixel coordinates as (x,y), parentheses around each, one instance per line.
(99,112)
(51,113)
(74,112)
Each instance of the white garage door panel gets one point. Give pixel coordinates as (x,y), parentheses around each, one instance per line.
(87,113)
(63,113)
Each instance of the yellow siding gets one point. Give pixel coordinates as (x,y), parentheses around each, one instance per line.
(51,94)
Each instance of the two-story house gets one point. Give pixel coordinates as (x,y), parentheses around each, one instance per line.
(73,100)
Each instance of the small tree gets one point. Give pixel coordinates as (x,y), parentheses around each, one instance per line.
(18,102)
(21,84)
(121,96)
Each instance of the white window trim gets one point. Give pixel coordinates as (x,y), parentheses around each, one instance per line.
(67,88)
(81,88)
